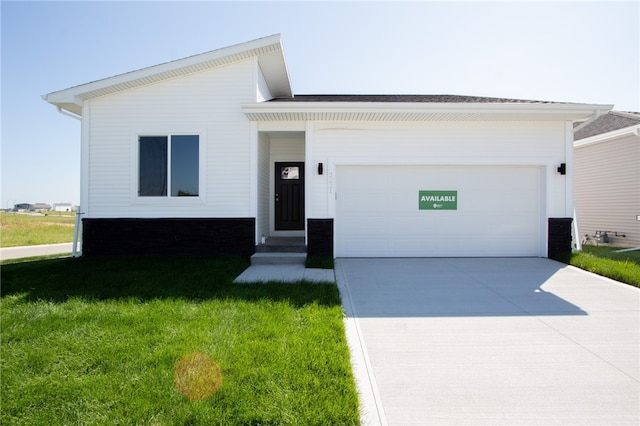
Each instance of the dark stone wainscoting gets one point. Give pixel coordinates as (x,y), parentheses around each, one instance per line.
(172,236)
(320,237)
(559,237)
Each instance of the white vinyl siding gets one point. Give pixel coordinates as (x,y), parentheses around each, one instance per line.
(204,103)
(438,143)
(287,146)
(607,188)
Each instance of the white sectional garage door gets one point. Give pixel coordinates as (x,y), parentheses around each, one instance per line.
(498,213)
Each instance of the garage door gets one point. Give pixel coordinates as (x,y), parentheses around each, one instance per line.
(497,211)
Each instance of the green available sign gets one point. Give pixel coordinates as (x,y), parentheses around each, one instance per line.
(438,200)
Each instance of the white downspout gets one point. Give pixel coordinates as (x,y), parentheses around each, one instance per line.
(76,232)
(68,114)
(576,231)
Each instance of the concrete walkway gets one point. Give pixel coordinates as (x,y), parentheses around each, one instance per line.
(289,273)
(30,251)
(491,342)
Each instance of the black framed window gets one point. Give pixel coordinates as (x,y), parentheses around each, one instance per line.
(169,165)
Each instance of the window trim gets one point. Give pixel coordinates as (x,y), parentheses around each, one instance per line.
(167,199)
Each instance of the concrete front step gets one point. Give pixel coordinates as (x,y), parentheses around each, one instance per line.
(293,248)
(282,245)
(278,258)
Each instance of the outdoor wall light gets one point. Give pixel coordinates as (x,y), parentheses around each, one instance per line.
(320,168)
(562,169)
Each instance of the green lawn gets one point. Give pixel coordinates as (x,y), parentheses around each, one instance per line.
(17,229)
(603,260)
(98,341)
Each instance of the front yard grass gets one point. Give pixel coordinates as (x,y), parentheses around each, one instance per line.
(603,260)
(97,341)
(320,262)
(19,229)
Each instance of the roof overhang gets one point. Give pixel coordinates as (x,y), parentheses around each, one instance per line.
(609,136)
(267,50)
(417,112)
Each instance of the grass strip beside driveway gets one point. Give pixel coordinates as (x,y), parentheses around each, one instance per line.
(606,261)
(97,341)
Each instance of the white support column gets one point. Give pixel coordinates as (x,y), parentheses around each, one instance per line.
(570,208)
(310,168)
(253,176)
(568,158)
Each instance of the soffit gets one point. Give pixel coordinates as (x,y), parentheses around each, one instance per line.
(414,112)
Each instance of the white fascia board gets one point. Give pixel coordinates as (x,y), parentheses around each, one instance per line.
(271,47)
(344,110)
(604,137)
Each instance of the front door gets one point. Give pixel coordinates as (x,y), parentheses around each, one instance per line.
(289,196)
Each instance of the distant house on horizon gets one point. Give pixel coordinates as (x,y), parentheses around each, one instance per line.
(42,206)
(607,177)
(23,207)
(63,207)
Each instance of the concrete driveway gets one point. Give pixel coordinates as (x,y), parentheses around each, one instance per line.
(517,341)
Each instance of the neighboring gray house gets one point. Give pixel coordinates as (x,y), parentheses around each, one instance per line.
(607,178)
(208,154)
(23,207)
(42,206)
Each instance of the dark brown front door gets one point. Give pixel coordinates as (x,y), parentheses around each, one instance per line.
(289,201)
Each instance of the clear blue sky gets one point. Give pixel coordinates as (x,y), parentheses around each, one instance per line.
(587,52)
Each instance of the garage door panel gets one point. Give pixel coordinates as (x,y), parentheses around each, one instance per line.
(406,225)
(412,248)
(362,228)
(488,224)
(498,211)
(452,246)
(490,247)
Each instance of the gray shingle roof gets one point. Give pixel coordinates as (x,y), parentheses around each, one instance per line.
(614,120)
(407,98)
